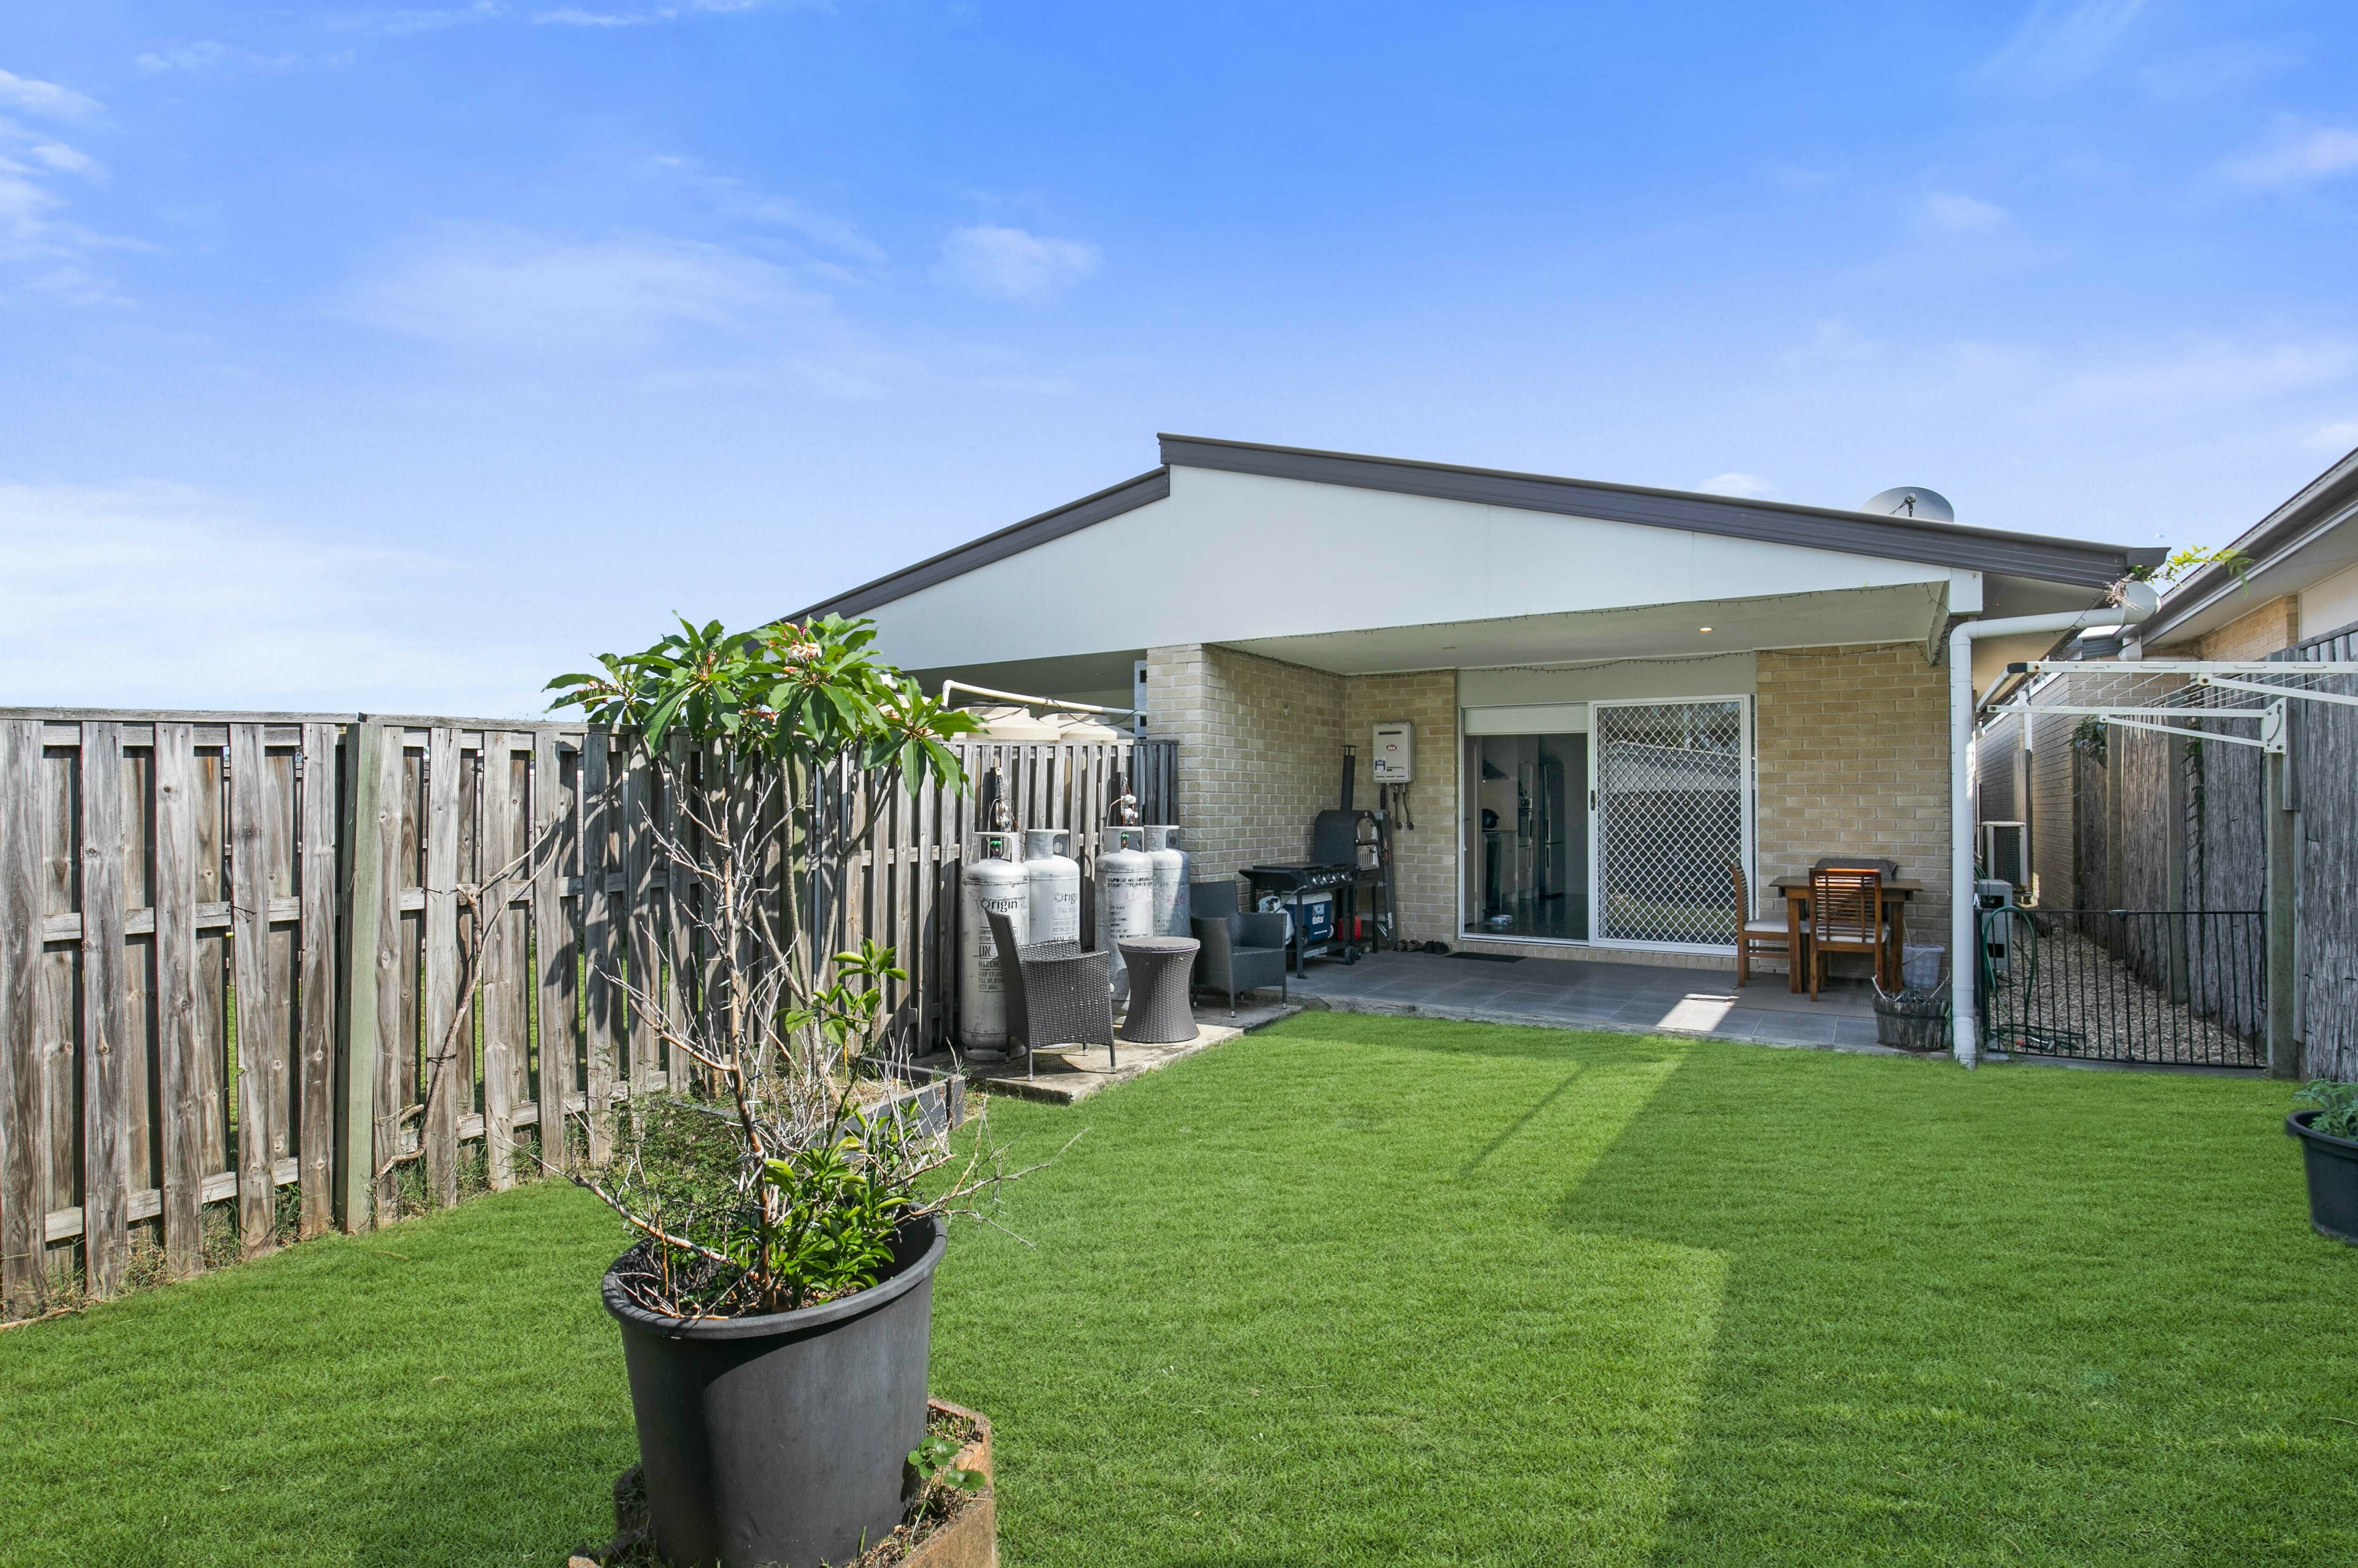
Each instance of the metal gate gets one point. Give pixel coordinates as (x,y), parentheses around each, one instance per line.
(1671,816)
(2176,987)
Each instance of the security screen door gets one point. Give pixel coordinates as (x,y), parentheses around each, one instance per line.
(1670,818)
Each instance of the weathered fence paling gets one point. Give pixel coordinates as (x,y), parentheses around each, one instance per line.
(235,953)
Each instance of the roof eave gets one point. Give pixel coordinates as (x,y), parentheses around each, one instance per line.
(2325,503)
(1013,539)
(2037,556)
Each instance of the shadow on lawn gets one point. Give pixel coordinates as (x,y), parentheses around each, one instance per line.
(2004,1318)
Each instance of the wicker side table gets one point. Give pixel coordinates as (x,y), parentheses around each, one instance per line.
(1159,968)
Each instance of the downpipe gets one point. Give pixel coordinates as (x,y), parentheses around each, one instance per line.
(2138,600)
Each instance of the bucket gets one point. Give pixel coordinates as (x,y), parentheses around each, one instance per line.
(1919,969)
(1912,1020)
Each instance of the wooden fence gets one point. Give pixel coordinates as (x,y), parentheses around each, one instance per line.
(233,951)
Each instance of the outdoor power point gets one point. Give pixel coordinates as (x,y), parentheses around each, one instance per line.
(1395,752)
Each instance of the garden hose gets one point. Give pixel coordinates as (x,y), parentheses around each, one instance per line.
(2024,953)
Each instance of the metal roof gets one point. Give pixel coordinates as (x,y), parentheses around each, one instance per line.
(2047,559)
(2319,507)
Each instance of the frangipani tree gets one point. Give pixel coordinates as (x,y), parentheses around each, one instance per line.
(781,1185)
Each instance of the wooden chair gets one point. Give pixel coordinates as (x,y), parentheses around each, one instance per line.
(1769,935)
(1845,916)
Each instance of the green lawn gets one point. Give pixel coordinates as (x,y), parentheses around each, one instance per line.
(1358,1289)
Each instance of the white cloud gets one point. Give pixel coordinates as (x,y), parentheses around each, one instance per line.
(2205,73)
(2340,436)
(159,596)
(2061,43)
(1014,264)
(33,227)
(1959,215)
(1834,339)
(1751,486)
(734,199)
(2301,155)
(64,159)
(601,299)
(401,23)
(45,98)
(2203,372)
(567,17)
(206,55)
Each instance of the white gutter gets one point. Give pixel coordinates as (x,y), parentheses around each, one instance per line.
(2138,600)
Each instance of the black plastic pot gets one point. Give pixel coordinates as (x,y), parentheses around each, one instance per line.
(783,1439)
(2332,1166)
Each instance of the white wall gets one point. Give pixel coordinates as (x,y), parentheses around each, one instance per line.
(2331,605)
(1230,558)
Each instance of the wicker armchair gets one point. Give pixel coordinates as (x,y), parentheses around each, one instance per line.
(1241,952)
(1057,993)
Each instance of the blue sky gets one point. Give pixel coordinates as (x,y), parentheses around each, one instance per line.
(397,358)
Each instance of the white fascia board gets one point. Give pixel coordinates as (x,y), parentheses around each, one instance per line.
(1231,558)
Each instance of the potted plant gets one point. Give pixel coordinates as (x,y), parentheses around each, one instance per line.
(789,1208)
(2328,1152)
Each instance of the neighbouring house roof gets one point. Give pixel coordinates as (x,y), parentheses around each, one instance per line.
(2319,509)
(2048,560)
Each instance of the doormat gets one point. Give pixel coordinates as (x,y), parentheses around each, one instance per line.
(1487,958)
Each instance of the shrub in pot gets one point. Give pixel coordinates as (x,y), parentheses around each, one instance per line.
(2328,1152)
(776,1306)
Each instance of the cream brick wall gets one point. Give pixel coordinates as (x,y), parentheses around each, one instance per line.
(2273,627)
(1260,750)
(1424,861)
(1853,757)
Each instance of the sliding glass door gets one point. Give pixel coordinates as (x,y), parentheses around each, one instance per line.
(1672,813)
(1526,837)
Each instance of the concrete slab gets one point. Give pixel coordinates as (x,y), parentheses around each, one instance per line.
(1071,1076)
(1627,997)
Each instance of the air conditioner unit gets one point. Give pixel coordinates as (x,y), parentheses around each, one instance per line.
(2006,853)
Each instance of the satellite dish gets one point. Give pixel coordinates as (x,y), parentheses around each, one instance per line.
(1913,501)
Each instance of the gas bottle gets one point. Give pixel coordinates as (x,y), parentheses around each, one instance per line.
(1055,884)
(992,884)
(1172,865)
(1125,900)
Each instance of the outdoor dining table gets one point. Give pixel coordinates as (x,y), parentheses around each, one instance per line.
(1159,1011)
(1896,892)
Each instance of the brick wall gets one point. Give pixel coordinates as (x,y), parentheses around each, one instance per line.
(1853,752)
(1260,750)
(1424,861)
(2271,628)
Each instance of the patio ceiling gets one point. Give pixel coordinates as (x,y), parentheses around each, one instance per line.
(1905,612)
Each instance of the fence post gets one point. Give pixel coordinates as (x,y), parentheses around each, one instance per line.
(361,898)
(2284,1047)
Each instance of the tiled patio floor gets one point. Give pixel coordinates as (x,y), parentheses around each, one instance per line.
(1566,994)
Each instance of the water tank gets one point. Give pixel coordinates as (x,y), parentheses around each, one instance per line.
(1010,722)
(991,884)
(1125,900)
(1078,727)
(1054,879)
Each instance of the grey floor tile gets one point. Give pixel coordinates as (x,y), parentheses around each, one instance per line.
(1798,1029)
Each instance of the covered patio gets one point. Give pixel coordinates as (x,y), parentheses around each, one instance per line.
(1638,998)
